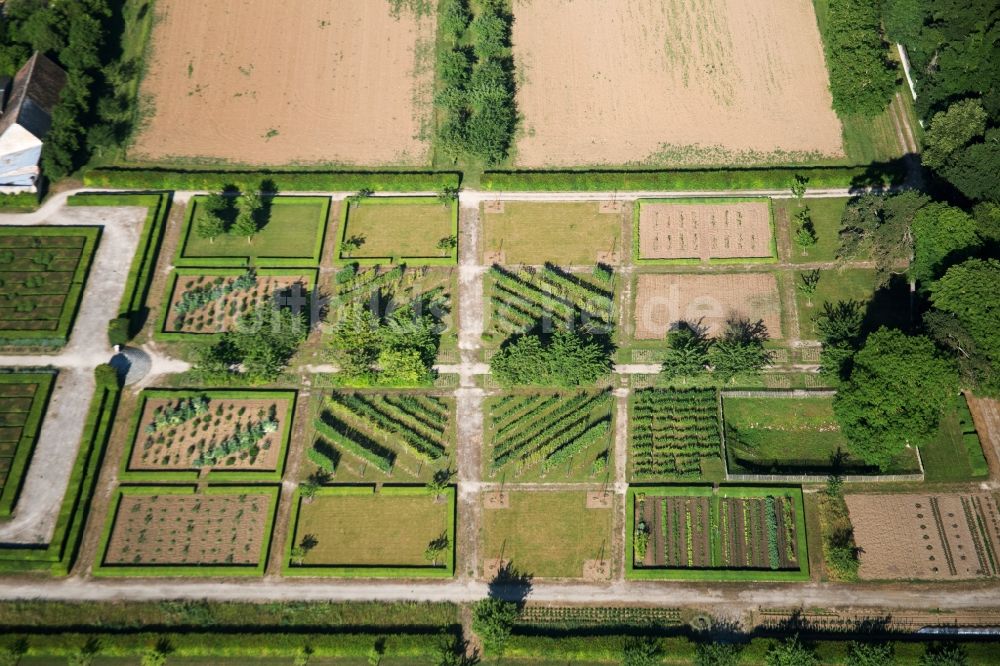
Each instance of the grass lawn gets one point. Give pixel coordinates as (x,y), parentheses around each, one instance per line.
(826,214)
(563,233)
(398,227)
(547,534)
(791,436)
(373,529)
(889,307)
(292,230)
(947,456)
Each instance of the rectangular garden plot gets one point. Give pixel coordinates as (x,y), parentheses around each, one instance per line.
(675,434)
(235,435)
(569,234)
(550,436)
(23,399)
(174,531)
(693,230)
(400,531)
(291,234)
(415,230)
(42,274)
(205,301)
(364,436)
(693,533)
(926,537)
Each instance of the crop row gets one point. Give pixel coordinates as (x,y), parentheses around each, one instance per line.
(199,297)
(673,430)
(547,422)
(355,443)
(383,417)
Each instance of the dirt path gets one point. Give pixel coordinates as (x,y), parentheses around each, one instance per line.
(986,415)
(621,480)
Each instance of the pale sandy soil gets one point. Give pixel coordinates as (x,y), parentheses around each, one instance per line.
(252,82)
(704,231)
(678,82)
(663,300)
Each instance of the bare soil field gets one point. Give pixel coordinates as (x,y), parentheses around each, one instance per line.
(720,81)
(221,314)
(664,299)
(937,537)
(704,231)
(248,82)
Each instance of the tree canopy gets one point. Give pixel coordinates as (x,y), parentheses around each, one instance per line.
(942,235)
(564,359)
(882,226)
(862,80)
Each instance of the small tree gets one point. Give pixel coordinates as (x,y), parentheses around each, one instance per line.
(307,489)
(687,351)
(351,243)
(435,548)
(799,184)
(641,652)
(717,654)
(791,652)
(807,284)
(492,620)
(741,350)
(210,226)
(944,654)
(448,194)
(439,483)
(248,217)
(805,231)
(447,243)
(869,654)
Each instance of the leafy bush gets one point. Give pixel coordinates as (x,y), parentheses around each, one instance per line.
(118,331)
(565,359)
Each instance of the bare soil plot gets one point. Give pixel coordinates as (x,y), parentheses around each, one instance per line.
(705,230)
(335,81)
(662,300)
(212,304)
(568,234)
(934,537)
(676,82)
(188,529)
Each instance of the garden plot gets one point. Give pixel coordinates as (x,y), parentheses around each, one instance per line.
(735,533)
(385,289)
(339,81)
(353,531)
(173,530)
(216,431)
(209,301)
(42,274)
(521,299)
(928,537)
(662,300)
(675,434)
(23,399)
(568,234)
(389,229)
(548,534)
(710,82)
(366,435)
(707,229)
(551,436)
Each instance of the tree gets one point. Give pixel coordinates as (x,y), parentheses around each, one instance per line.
(308,489)
(942,235)
(882,226)
(944,654)
(260,345)
(716,654)
(807,284)
(564,359)
(975,369)
(839,325)
(898,386)
(687,351)
(869,654)
(447,243)
(805,231)
(903,19)
(435,548)
(492,620)
(210,226)
(975,170)
(439,482)
(952,130)
(355,341)
(862,80)
(640,651)
(791,652)
(248,215)
(402,366)
(799,184)
(987,219)
(740,350)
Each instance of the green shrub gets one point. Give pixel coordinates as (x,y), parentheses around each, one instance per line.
(118,331)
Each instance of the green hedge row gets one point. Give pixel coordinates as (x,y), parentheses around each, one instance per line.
(58,556)
(26,201)
(284,181)
(778,178)
(29,434)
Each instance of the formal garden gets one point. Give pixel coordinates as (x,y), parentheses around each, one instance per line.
(24,397)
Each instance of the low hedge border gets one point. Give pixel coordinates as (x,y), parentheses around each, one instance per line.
(636,240)
(161,333)
(335,571)
(58,556)
(21,202)
(262,262)
(284,181)
(719,574)
(213,475)
(192,570)
(776,178)
(59,336)
(140,274)
(29,434)
(345,207)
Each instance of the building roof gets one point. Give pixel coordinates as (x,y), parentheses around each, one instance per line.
(33,95)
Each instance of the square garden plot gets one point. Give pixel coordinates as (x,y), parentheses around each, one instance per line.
(291,235)
(177,531)
(732,533)
(413,230)
(674,434)
(207,301)
(548,534)
(233,435)
(42,274)
(23,399)
(356,531)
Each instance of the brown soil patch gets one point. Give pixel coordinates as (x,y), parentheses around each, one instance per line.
(597,569)
(608,258)
(221,315)
(188,529)
(177,447)
(493,566)
(935,537)
(707,82)
(600,500)
(493,207)
(664,299)
(704,231)
(986,415)
(610,207)
(494,257)
(247,82)
(496,500)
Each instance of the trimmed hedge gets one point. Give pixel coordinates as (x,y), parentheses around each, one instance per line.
(29,433)
(777,178)
(22,201)
(285,181)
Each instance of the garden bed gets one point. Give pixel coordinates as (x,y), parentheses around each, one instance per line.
(23,399)
(675,434)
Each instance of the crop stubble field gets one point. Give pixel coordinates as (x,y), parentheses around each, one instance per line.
(335,81)
(720,82)
(704,230)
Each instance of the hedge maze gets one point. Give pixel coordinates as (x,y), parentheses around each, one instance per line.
(23,399)
(42,274)
(675,433)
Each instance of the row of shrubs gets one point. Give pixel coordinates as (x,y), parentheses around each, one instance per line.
(292,181)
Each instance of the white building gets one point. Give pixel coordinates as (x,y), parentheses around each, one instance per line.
(27,115)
